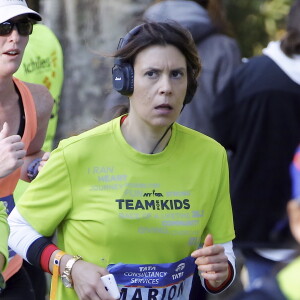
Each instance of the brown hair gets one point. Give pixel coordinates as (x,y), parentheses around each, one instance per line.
(290,44)
(217,13)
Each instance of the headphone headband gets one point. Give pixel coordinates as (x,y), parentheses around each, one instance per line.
(124,40)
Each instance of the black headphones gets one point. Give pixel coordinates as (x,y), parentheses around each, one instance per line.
(123,73)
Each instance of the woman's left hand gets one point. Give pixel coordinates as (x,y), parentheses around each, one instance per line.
(87,281)
(45,157)
(212,262)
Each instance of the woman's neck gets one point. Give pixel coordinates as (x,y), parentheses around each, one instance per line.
(144,139)
(9,106)
(7,89)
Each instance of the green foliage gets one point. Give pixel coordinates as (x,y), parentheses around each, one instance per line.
(256,22)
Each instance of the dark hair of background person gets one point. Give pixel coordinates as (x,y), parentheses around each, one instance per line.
(163,33)
(33,4)
(217,13)
(290,43)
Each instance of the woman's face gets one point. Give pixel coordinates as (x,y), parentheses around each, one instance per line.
(12,48)
(160,84)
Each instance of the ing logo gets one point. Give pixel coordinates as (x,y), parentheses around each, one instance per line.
(180,267)
(153,194)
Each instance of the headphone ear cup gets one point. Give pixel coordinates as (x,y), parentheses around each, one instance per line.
(123,78)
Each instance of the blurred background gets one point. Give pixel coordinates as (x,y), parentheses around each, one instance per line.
(89,31)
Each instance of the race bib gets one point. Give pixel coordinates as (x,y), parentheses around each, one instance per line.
(154,281)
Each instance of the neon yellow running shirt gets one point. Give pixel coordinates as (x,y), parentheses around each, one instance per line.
(288,280)
(140,215)
(4,232)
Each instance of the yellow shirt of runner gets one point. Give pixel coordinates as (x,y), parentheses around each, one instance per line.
(4,231)
(116,206)
(288,280)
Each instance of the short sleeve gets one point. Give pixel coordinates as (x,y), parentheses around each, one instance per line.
(220,223)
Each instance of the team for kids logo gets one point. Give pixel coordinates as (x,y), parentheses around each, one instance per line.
(153,204)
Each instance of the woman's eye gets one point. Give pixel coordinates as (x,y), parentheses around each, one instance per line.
(177,74)
(151,73)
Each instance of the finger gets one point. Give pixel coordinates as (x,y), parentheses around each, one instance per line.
(41,165)
(13,139)
(214,267)
(4,131)
(102,291)
(16,162)
(46,156)
(18,158)
(211,276)
(20,154)
(17,146)
(208,241)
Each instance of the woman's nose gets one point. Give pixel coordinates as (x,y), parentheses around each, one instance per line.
(14,35)
(166,86)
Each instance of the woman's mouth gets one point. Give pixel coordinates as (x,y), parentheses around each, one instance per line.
(164,106)
(12,52)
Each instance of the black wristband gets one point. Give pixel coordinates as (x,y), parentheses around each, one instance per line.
(35,250)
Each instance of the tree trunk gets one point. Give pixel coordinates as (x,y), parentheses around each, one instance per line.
(88,31)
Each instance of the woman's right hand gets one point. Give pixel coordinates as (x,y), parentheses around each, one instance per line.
(11,152)
(87,282)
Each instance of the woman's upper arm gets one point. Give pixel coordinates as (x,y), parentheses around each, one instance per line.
(22,235)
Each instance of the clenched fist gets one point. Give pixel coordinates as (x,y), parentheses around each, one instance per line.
(11,152)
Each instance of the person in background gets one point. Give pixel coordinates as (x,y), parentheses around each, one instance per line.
(4,230)
(284,282)
(24,113)
(218,52)
(109,194)
(42,63)
(257,117)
